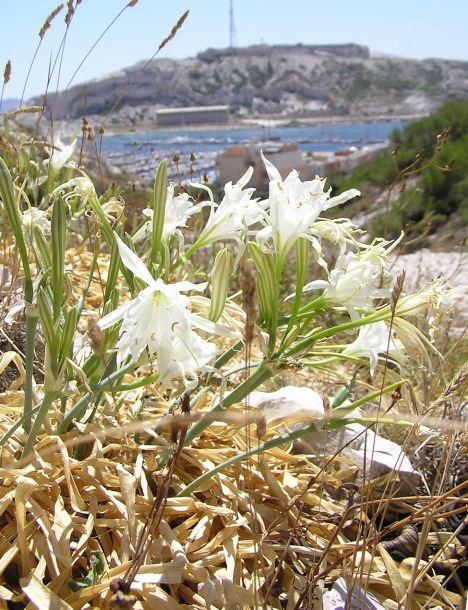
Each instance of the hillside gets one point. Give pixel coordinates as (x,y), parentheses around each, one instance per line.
(291,81)
(420,184)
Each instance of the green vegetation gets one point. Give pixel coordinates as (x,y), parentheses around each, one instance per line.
(425,170)
(259,77)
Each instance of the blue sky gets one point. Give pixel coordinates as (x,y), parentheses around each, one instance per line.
(410,28)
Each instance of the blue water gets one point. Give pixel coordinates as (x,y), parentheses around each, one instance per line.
(140,153)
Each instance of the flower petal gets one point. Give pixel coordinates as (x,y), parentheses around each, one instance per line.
(114,316)
(133,263)
(272,171)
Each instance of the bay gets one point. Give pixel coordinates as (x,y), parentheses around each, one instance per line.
(140,153)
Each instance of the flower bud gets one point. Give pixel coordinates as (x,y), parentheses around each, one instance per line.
(219,284)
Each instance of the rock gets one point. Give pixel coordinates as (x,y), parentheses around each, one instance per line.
(374,455)
(290,404)
(338,598)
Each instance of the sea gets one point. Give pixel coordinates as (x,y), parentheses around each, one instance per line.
(139,154)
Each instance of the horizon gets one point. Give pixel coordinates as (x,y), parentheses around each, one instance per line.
(416,31)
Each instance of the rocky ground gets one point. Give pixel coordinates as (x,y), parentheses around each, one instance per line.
(425,265)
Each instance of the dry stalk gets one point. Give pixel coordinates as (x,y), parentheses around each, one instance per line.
(121,587)
(7,72)
(451,390)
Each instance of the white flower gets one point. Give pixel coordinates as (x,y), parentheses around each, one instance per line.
(33,217)
(293,207)
(436,295)
(177,211)
(159,319)
(61,153)
(231,219)
(113,209)
(354,283)
(372,340)
(81,186)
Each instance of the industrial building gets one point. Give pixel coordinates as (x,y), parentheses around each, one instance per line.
(192,115)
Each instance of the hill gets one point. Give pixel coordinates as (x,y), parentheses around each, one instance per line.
(9,104)
(291,81)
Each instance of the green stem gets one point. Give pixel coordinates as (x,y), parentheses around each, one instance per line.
(80,407)
(275,442)
(75,413)
(7,193)
(292,436)
(263,372)
(47,401)
(31,324)
(18,424)
(302,259)
(159,208)
(128,386)
(230,353)
(304,344)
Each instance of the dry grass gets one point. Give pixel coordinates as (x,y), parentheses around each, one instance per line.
(262,532)
(272,531)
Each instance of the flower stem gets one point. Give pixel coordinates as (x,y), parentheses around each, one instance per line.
(7,193)
(259,448)
(31,323)
(47,401)
(263,372)
(292,436)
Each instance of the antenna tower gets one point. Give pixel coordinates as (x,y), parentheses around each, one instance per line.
(232,27)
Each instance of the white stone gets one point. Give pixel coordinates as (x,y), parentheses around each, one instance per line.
(374,455)
(338,598)
(290,404)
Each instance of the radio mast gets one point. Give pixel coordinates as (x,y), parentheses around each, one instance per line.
(232,27)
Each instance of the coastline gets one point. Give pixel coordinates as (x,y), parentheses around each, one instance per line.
(97,122)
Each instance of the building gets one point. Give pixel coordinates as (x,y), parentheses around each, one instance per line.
(235,161)
(192,115)
(342,162)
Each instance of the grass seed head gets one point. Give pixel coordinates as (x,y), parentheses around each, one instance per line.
(48,21)
(7,72)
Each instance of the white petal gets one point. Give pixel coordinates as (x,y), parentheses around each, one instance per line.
(204,187)
(273,173)
(341,198)
(316,285)
(133,263)
(246,177)
(114,316)
(213,327)
(262,236)
(185,285)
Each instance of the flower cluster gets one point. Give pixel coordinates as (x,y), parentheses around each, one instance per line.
(160,321)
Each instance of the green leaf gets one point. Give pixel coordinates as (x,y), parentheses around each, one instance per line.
(267,287)
(69,330)
(159,212)
(58,234)
(94,575)
(47,322)
(219,284)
